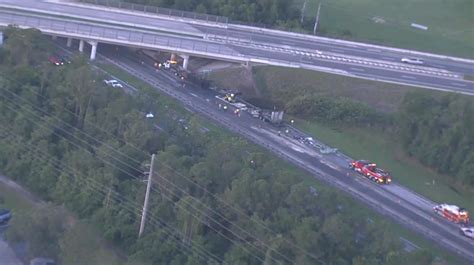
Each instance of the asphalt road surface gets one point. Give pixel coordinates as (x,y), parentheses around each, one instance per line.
(7,256)
(394,201)
(322,55)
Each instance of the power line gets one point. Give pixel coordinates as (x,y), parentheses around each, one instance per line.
(134,208)
(237,210)
(169,198)
(127,173)
(258,222)
(175,171)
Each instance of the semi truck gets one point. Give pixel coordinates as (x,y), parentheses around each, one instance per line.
(275,117)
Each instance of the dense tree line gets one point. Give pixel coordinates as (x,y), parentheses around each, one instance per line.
(439,132)
(334,109)
(214,192)
(267,12)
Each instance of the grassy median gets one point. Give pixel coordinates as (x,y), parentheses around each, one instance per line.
(387,22)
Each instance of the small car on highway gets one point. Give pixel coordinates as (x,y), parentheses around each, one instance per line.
(113,83)
(467,232)
(416,61)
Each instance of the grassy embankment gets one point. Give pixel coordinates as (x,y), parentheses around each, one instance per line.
(310,181)
(387,22)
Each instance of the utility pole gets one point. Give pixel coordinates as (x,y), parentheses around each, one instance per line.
(317,19)
(147,194)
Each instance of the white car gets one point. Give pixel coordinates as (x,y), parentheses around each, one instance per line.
(412,61)
(113,83)
(467,232)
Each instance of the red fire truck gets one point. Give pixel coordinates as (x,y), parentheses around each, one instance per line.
(453,213)
(371,171)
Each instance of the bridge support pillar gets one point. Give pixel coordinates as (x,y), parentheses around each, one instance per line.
(94,49)
(81,45)
(185,61)
(69,42)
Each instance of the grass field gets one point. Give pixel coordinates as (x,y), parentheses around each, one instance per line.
(450,23)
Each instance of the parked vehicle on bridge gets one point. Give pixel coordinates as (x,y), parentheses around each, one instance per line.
(453,213)
(467,232)
(416,61)
(371,171)
(113,83)
(5,216)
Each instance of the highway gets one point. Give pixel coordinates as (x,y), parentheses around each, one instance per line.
(393,201)
(245,44)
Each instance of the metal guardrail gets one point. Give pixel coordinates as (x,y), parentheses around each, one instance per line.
(158,10)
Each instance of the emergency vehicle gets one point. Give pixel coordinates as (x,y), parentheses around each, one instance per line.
(453,213)
(371,171)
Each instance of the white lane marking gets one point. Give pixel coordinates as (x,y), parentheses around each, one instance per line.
(408,76)
(194,95)
(458,84)
(357,69)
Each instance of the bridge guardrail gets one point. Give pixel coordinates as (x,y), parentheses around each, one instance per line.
(93,32)
(158,10)
(115,35)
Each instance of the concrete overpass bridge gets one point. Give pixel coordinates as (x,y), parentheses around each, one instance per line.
(224,41)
